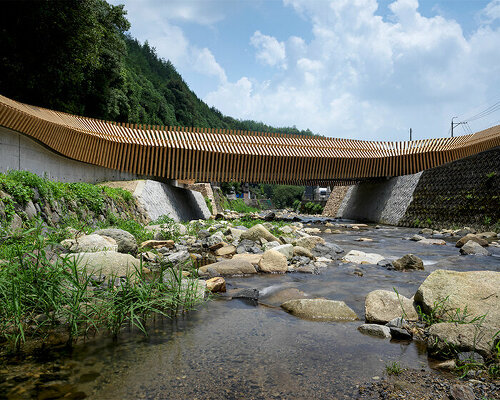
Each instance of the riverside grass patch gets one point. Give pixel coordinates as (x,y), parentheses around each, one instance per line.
(41,294)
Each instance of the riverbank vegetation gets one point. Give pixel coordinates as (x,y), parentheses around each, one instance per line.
(45,294)
(281,196)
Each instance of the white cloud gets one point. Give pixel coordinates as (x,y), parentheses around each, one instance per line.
(205,63)
(491,12)
(156,21)
(269,50)
(367,77)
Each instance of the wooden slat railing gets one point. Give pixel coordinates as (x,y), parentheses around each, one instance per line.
(201,154)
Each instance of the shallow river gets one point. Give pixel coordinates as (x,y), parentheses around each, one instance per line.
(235,350)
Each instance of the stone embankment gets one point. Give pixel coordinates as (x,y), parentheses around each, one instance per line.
(55,212)
(463,192)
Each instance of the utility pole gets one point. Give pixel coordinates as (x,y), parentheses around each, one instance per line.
(410,134)
(453,124)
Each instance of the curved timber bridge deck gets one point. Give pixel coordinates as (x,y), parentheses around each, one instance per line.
(203,154)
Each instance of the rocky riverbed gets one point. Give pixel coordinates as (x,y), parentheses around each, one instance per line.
(329,309)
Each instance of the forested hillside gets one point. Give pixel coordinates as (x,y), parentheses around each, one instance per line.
(75,56)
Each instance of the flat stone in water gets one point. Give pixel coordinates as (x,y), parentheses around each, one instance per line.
(282,296)
(320,310)
(89,377)
(375,330)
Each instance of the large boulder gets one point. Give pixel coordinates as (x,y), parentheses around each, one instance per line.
(475,292)
(360,257)
(90,243)
(251,258)
(476,238)
(302,252)
(408,262)
(273,261)
(382,306)
(108,263)
(309,242)
(229,267)
(285,249)
(320,310)
(474,248)
(329,250)
(447,338)
(257,232)
(125,240)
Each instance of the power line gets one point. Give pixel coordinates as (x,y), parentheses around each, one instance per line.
(482,114)
(491,109)
(477,109)
(485,113)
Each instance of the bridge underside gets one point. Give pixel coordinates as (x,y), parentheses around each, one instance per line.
(201,154)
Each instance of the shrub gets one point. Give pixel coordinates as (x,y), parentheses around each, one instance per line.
(238,205)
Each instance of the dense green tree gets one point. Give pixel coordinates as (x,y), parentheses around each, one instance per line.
(74,56)
(285,195)
(63,54)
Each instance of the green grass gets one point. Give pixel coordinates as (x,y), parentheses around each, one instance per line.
(22,186)
(440,313)
(238,205)
(39,295)
(393,368)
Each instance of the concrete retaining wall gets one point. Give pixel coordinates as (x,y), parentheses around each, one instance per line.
(335,201)
(21,153)
(160,199)
(18,152)
(461,193)
(383,201)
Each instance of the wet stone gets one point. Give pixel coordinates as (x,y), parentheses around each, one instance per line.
(400,333)
(88,377)
(386,264)
(244,294)
(470,356)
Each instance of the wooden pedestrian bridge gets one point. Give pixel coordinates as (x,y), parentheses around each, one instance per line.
(203,154)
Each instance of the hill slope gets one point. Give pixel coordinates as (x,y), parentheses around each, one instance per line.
(74,56)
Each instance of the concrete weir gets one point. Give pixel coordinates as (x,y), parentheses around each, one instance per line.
(18,152)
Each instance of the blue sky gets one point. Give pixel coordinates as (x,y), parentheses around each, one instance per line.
(362,69)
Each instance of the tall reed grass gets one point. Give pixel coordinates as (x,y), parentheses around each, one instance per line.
(41,293)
